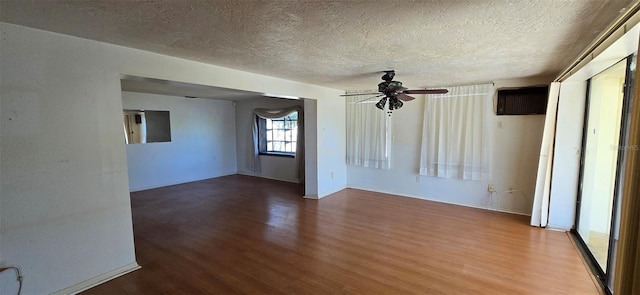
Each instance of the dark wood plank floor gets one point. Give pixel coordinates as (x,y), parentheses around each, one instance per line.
(240,234)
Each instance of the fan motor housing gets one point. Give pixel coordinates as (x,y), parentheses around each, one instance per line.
(389,86)
(382,86)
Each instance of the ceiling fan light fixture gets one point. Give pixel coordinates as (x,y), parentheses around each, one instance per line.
(381,103)
(394,103)
(394,92)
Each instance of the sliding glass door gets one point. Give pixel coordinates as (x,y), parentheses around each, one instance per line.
(602,163)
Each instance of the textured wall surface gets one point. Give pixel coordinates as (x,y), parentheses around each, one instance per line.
(342,44)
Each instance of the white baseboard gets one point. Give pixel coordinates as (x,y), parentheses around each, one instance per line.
(440,201)
(176,182)
(557,228)
(498,210)
(314,197)
(328,193)
(92,282)
(267,177)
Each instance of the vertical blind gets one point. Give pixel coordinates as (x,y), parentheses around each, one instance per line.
(540,207)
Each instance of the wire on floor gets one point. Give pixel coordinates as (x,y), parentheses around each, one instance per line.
(491,199)
(18,275)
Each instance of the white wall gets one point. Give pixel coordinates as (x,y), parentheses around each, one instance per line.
(515,153)
(65,213)
(311,147)
(202,141)
(332,142)
(273,167)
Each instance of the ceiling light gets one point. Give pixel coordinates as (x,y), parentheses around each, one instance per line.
(381,103)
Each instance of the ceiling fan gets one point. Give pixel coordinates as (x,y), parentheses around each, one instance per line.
(394,93)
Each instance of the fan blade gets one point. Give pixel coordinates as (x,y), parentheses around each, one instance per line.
(356,94)
(404,97)
(426,91)
(370,98)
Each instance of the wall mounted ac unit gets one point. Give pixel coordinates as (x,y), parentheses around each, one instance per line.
(523,101)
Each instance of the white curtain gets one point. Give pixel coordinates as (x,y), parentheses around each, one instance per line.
(368,132)
(540,210)
(254,159)
(456,133)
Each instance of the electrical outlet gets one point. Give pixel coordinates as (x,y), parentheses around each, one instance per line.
(418,179)
(490,188)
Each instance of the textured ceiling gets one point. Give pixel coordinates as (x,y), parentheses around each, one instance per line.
(342,44)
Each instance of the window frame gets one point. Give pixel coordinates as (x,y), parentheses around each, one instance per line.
(263,140)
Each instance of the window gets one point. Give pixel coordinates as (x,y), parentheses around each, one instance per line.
(456,133)
(368,134)
(278,136)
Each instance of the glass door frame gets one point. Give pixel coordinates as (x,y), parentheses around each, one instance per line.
(603,275)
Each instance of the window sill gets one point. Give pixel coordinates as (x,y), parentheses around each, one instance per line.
(276,154)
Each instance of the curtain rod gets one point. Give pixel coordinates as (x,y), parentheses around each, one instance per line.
(617,28)
(445,86)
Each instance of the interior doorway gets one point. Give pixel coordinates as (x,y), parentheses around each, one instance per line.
(207,134)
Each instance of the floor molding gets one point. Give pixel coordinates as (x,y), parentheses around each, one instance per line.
(439,201)
(177,182)
(105,277)
(268,177)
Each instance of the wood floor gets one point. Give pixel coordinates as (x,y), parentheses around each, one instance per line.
(240,234)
